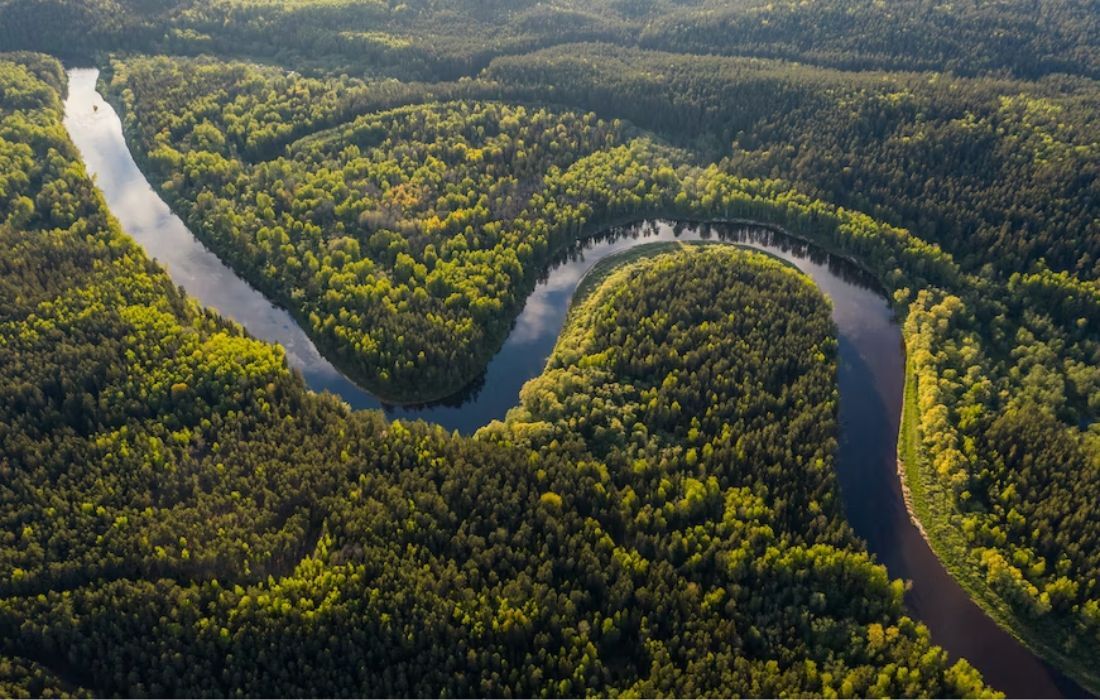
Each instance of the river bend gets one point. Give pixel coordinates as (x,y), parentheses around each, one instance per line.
(870,373)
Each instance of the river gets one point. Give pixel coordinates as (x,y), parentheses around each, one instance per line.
(870,373)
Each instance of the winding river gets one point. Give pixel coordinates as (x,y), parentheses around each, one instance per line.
(870,373)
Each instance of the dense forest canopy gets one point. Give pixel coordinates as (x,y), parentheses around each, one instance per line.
(181,516)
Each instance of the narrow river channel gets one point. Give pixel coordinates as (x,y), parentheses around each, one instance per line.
(870,375)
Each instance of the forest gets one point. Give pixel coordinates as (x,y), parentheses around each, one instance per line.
(182,517)
(658,515)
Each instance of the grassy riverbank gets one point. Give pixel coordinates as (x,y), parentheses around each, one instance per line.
(932,508)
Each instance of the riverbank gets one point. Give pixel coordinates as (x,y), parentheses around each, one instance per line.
(932,511)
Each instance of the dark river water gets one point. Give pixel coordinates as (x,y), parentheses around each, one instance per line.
(870,374)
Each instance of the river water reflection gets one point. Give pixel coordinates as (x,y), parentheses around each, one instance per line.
(870,372)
